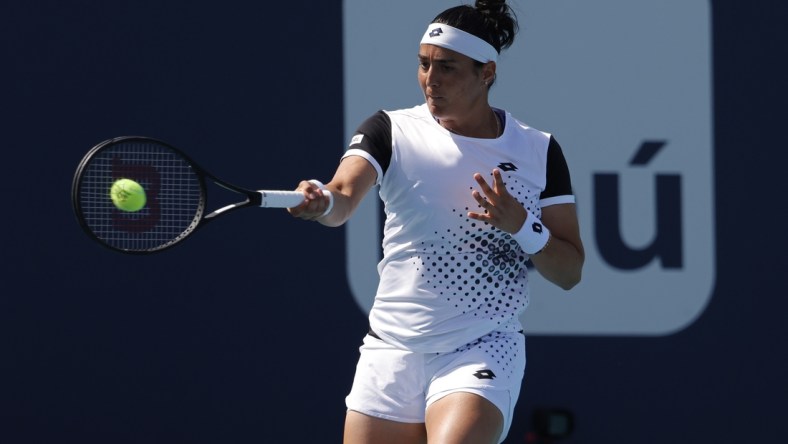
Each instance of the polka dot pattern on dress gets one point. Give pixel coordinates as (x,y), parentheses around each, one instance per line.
(477,268)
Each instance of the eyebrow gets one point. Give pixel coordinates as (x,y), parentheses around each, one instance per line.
(438,60)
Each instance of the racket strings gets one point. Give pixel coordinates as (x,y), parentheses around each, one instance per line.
(174,196)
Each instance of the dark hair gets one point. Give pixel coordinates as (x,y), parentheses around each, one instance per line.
(491,20)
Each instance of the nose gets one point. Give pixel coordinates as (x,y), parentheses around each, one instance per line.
(431,77)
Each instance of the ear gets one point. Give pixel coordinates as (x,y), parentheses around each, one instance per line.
(488,72)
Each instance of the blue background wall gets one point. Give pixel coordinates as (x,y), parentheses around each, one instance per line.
(247,332)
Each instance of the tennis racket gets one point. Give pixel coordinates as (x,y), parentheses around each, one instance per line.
(176,196)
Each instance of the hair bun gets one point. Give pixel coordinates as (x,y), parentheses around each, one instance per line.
(491,7)
(491,20)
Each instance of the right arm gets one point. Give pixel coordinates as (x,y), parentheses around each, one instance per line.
(354,177)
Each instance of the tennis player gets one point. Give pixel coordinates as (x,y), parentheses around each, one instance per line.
(470,194)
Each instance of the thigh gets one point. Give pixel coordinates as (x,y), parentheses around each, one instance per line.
(462,417)
(365,429)
(477,385)
(389,383)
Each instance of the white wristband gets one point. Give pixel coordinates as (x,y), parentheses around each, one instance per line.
(533,236)
(320,185)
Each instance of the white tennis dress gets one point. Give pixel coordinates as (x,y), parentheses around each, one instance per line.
(447,280)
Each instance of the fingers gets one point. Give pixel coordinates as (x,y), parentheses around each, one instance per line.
(315,202)
(492,194)
(499,207)
(483,184)
(499,187)
(483,199)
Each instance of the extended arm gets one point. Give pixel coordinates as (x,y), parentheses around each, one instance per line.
(352,180)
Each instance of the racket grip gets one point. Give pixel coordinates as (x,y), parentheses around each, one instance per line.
(281,199)
(285,199)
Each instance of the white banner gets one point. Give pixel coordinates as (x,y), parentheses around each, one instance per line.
(625,87)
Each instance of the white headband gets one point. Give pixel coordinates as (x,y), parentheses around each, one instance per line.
(445,36)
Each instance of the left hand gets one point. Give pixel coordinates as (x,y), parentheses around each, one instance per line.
(503,211)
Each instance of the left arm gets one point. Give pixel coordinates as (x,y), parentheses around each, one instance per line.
(561,261)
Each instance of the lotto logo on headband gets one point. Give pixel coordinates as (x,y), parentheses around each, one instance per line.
(436,32)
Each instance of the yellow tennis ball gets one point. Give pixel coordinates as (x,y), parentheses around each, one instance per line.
(127,195)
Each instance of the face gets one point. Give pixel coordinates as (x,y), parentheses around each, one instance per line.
(453,86)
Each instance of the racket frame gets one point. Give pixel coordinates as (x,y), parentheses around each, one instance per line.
(252,197)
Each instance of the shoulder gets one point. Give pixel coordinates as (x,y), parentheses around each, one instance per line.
(525,130)
(415,113)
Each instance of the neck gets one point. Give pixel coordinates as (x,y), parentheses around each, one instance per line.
(488,126)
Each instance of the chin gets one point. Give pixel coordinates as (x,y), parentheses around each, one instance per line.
(435,110)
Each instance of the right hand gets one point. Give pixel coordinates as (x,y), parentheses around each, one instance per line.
(315,202)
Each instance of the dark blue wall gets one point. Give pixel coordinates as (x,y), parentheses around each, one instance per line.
(247,332)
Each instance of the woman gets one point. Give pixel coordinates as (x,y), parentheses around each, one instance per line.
(445,356)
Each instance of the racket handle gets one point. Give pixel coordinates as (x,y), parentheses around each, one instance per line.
(281,199)
(285,199)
